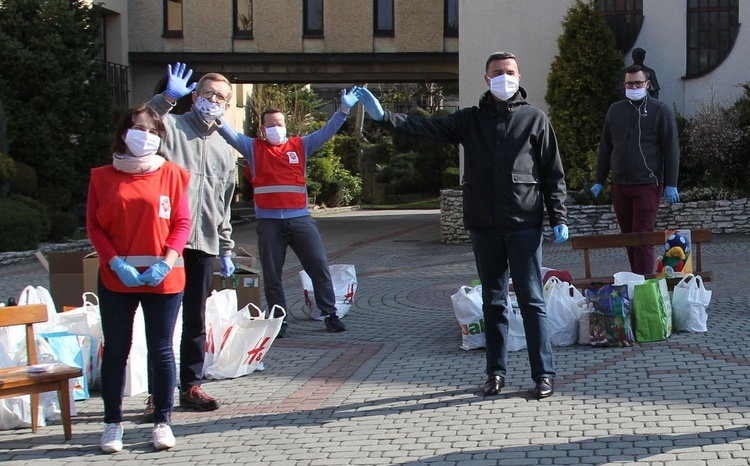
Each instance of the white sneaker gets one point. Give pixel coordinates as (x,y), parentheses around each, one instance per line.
(112,438)
(162,436)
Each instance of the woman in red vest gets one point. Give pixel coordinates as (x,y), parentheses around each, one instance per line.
(138,221)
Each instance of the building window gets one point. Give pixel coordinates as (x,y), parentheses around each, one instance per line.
(312,17)
(383,15)
(450,24)
(712,27)
(625,18)
(243,18)
(172,18)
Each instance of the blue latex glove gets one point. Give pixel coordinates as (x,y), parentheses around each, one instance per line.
(128,274)
(227,267)
(670,194)
(349,99)
(155,274)
(561,233)
(596,189)
(370,103)
(177,81)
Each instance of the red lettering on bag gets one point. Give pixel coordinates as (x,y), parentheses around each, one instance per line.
(256,354)
(210,343)
(349,296)
(225,338)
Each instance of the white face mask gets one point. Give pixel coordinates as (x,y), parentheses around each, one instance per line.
(209,110)
(142,143)
(636,94)
(275,134)
(504,86)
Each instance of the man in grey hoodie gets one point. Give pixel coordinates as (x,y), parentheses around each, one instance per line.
(193,142)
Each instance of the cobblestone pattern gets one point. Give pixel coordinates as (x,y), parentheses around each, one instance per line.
(717,216)
(396,389)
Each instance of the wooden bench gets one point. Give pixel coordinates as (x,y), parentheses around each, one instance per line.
(622,240)
(15,381)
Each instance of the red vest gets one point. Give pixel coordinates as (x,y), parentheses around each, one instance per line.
(279,181)
(135,212)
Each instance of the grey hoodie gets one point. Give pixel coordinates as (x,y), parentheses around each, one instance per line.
(197,147)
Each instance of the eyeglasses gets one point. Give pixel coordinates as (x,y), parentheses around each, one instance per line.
(207,94)
(634,84)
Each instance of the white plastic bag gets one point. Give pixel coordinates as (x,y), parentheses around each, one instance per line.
(344,278)
(467,305)
(561,300)
(631,279)
(220,307)
(690,300)
(136,371)
(246,342)
(516,332)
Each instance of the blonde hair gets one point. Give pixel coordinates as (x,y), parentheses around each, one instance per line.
(214,77)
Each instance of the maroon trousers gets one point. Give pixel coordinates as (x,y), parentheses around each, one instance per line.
(636,207)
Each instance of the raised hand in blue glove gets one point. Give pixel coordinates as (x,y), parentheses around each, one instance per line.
(596,189)
(227,267)
(128,274)
(349,99)
(370,103)
(177,81)
(561,233)
(670,194)
(155,274)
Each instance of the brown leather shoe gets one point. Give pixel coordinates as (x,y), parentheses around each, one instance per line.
(195,397)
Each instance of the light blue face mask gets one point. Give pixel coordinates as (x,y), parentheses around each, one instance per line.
(209,110)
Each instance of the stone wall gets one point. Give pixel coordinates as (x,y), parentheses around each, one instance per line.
(717,216)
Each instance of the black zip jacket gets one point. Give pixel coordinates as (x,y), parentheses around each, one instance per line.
(512,167)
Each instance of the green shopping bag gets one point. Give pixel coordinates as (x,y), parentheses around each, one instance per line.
(652,310)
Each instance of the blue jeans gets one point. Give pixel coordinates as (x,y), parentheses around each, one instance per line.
(159,314)
(301,234)
(521,250)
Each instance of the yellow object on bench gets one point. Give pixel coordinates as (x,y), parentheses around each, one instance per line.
(622,240)
(22,380)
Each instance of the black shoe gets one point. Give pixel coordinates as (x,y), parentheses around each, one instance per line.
(334,324)
(493,385)
(282,330)
(544,387)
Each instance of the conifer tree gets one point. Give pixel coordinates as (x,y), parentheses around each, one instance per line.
(580,87)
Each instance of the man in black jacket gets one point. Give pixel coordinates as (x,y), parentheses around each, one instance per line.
(512,175)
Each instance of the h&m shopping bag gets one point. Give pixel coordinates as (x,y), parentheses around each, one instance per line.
(690,300)
(609,316)
(467,305)
(652,310)
(561,300)
(344,278)
(220,307)
(245,342)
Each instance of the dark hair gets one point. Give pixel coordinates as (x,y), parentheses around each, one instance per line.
(128,119)
(269,111)
(499,56)
(632,69)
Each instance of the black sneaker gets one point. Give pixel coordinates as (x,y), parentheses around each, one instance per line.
(282,330)
(334,324)
(195,397)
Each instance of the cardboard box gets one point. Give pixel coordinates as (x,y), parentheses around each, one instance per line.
(240,258)
(91,272)
(246,281)
(66,278)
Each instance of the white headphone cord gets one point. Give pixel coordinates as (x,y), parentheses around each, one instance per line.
(643,104)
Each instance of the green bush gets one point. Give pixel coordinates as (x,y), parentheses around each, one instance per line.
(401,172)
(40,209)
(349,150)
(25,181)
(20,228)
(337,185)
(451,178)
(64,226)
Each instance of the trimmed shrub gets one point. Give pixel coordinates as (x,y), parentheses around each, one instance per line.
(451,178)
(64,226)
(20,228)
(40,209)
(25,181)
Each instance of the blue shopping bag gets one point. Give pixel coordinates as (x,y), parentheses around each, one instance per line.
(68,350)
